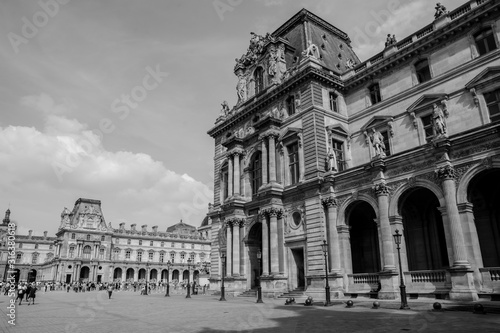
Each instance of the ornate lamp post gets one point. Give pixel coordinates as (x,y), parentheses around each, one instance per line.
(147,276)
(259,288)
(169,264)
(402,287)
(222,289)
(188,286)
(324,247)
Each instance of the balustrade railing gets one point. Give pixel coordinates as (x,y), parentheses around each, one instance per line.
(367,278)
(427,276)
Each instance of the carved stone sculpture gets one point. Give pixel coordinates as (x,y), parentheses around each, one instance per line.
(241,88)
(311,51)
(440,10)
(390,40)
(378,143)
(349,63)
(438,120)
(277,64)
(331,160)
(224,109)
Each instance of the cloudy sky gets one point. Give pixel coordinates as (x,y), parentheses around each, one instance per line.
(111,100)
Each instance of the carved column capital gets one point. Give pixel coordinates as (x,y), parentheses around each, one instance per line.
(329,202)
(236,152)
(445,173)
(381,189)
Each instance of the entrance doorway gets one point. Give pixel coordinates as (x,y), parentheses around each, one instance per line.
(84,274)
(298,275)
(68,278)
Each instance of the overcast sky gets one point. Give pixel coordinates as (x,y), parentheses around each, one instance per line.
(111,100)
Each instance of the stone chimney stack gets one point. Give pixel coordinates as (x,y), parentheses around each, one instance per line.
(144,228)
(132,227)
(122,226)
(30,233)
(155,229)
(45,234)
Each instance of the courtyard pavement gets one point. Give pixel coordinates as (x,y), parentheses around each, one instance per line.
(125,312)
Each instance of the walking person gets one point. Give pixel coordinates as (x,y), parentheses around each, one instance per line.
(20,293)
(32,294)
(110,290)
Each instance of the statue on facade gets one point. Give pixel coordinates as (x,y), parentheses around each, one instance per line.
(438,120)
(440,10)
(224,111)
(330,160)
(311,51)
(241,88)
(390,40)
(349,63)
(378,143)
(277,64)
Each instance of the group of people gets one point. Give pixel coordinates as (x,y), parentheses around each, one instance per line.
(25,291)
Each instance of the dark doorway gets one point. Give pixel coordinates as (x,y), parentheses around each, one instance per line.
(68,278)
(423,230)
(117,275)
(254,245)
(484,194)
(298,269)
(31,275)
(363,234)
(84,273)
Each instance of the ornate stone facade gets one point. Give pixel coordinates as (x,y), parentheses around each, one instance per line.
(406,140)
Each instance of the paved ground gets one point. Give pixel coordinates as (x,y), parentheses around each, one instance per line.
(129,312)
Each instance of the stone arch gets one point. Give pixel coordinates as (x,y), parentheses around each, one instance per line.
(396,196)
(250,154)
(341,218)
(463,185)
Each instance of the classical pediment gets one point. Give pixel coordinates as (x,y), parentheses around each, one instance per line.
(485,77)
(290,132)
(376,121)
(338,129)
(427,101)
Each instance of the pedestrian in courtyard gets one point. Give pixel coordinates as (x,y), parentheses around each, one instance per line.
(32,294)
(20,293)
(110,290)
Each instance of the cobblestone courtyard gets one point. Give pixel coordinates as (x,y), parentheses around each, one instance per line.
(129,312)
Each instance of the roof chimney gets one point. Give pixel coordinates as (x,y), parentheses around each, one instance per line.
(122,226)
(132,227)
(144,228)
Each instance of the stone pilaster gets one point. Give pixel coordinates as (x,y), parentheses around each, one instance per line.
(272,159)
(236,247)
(229,249)
(236,173)
(264,161)
(265,245)
(330,204)
(273,226)
(382,193)
(230,176)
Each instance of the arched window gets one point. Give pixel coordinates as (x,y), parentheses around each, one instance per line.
(259,80)
(256,172)
(485,41)
(422,71)
(86,252)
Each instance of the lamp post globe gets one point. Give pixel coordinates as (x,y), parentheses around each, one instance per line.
(402,288)
(222,289)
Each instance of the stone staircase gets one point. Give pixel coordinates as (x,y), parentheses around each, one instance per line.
(249,293)
(298,293)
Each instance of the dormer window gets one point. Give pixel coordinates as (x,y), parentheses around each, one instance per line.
(374,91)
(485,41)
(259,80)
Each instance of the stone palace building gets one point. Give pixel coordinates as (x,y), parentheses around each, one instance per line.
(323,147)
(86,248)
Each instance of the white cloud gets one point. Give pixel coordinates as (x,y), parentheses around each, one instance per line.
(66,160)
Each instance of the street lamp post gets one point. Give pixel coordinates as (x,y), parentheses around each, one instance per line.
(402,287)
(167,294)
(188,286)
(324,247)
(259,288)
(147,277)
(222,289)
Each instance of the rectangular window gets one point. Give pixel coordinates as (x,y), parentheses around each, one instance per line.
(333,102)
(493,103)
(256,173)
(172,256)
(139,256)
(103,238)
(127,254)
(428,127)
(34,259)
(162,257)
(386,143)
(290,105)
(36,246)
(192,257)
(19,257)
(116,254)
(225,182)
(20,245)
(485,41)
(150,256)
(162,244)
(128,241)
(71,253)
(140,241)
(192,246)
(183,256)
(183,245)
(101,253)
(172,245)
(338,149)
(151,243)
(293,163)
(374,93)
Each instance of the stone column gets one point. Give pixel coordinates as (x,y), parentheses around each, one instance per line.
(78,268)
(265,244)
(264,162)
(333,236)
(230,176)
(136,274)
(124,275)
(236,173)
(79,249)
(281,244)
(236,247)
(345,248)
(272,159)
(382,192)
(273,246)
(447,176)
(229,249)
